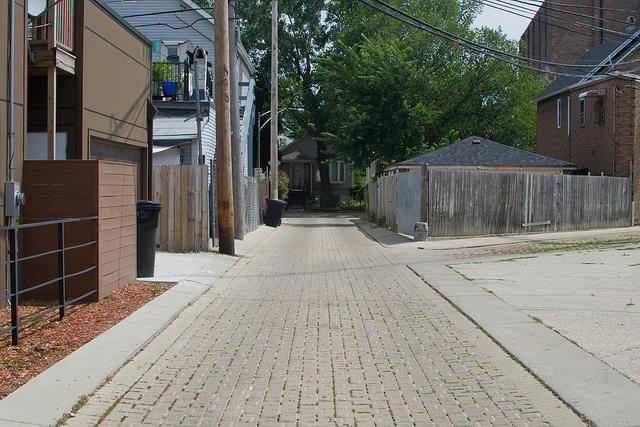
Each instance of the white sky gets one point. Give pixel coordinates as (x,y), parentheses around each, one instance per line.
(512,25)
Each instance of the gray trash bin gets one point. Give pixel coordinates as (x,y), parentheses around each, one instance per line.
(273,212)
(147,213)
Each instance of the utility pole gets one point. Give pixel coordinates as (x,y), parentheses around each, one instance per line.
(236,143)
(274,99)
(224,181)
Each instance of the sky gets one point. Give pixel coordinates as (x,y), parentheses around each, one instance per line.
(512,25)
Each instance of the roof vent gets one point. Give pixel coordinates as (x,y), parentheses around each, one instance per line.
(476,141)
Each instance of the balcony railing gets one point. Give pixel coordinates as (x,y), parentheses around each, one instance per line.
(55,25)
(175,81)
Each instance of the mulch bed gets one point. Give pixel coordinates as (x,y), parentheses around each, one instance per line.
(47,340)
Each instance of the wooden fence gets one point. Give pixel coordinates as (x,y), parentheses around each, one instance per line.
(188,206)
(183,192)
(477,203)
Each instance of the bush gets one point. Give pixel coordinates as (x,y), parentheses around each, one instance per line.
(283,184)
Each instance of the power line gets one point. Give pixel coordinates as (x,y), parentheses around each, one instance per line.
(544,7)
(447,36)
(502,5)
(578,6)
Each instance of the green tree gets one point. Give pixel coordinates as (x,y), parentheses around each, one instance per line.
(379,101)
(303,34)
(403,94)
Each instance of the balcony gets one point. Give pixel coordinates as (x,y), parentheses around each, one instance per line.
(175,81)
(52,37)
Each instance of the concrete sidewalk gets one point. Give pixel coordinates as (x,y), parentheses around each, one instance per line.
(318,325)
(46,398)
(570,317)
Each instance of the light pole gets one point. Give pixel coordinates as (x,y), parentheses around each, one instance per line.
(260,126)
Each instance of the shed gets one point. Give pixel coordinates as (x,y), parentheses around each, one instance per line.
(475,153)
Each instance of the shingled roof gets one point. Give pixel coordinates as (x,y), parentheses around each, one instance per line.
(476,151)
(596,63)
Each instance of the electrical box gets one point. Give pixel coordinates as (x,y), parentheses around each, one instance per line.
(13,199)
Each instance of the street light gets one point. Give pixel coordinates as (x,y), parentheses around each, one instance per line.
(260,126)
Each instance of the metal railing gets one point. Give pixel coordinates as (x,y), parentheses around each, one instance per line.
(15,292)
(175,81)
(172,80)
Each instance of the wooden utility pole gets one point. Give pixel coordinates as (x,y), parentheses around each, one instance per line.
(236,143)
(274,100)
(224,181)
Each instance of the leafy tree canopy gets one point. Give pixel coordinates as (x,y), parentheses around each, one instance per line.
(373,87)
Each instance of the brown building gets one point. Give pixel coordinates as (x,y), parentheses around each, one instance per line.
(562,32)
(592,119)
(79,93)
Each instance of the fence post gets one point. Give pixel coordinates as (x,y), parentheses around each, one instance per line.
(61,273)
(13,254)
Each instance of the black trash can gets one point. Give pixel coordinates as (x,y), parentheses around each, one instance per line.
(148,213)
(273,212)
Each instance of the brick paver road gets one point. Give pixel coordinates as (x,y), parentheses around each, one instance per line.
(319,325)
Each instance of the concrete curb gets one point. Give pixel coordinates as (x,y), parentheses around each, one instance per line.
(587,384)
(46,398)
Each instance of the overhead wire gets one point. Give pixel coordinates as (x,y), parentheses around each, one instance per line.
(544,6)
(536,16)
(577,6)
(452,38)
(386,9)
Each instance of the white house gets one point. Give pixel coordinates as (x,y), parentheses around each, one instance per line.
(177,28)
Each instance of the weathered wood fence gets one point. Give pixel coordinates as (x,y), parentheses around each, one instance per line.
(183,192)
(188,213)
(477,203)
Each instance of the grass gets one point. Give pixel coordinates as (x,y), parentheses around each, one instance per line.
(461,274)
(622,242)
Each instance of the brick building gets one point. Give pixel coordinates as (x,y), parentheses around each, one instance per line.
(561,32)
(591,117)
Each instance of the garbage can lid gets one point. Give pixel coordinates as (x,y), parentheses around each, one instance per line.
(148,204)
(282,202)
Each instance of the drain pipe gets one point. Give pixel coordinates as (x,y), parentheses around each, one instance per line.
(12,11)
(10,82)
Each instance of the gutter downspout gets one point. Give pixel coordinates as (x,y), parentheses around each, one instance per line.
(11,82)
(615,89)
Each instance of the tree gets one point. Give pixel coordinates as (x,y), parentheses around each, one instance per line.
(395,96)
(303,34)
(379,101)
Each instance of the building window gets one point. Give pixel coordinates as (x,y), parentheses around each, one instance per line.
(174,51)
(559,114)
(336,172)
(582,113)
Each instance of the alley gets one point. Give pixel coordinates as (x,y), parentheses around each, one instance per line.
(319,324)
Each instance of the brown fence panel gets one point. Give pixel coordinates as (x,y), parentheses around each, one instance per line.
(63,189)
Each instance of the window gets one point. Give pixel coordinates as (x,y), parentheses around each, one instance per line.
(336,172)
(559,114)
(172,54)
(174,51)
(582,113)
